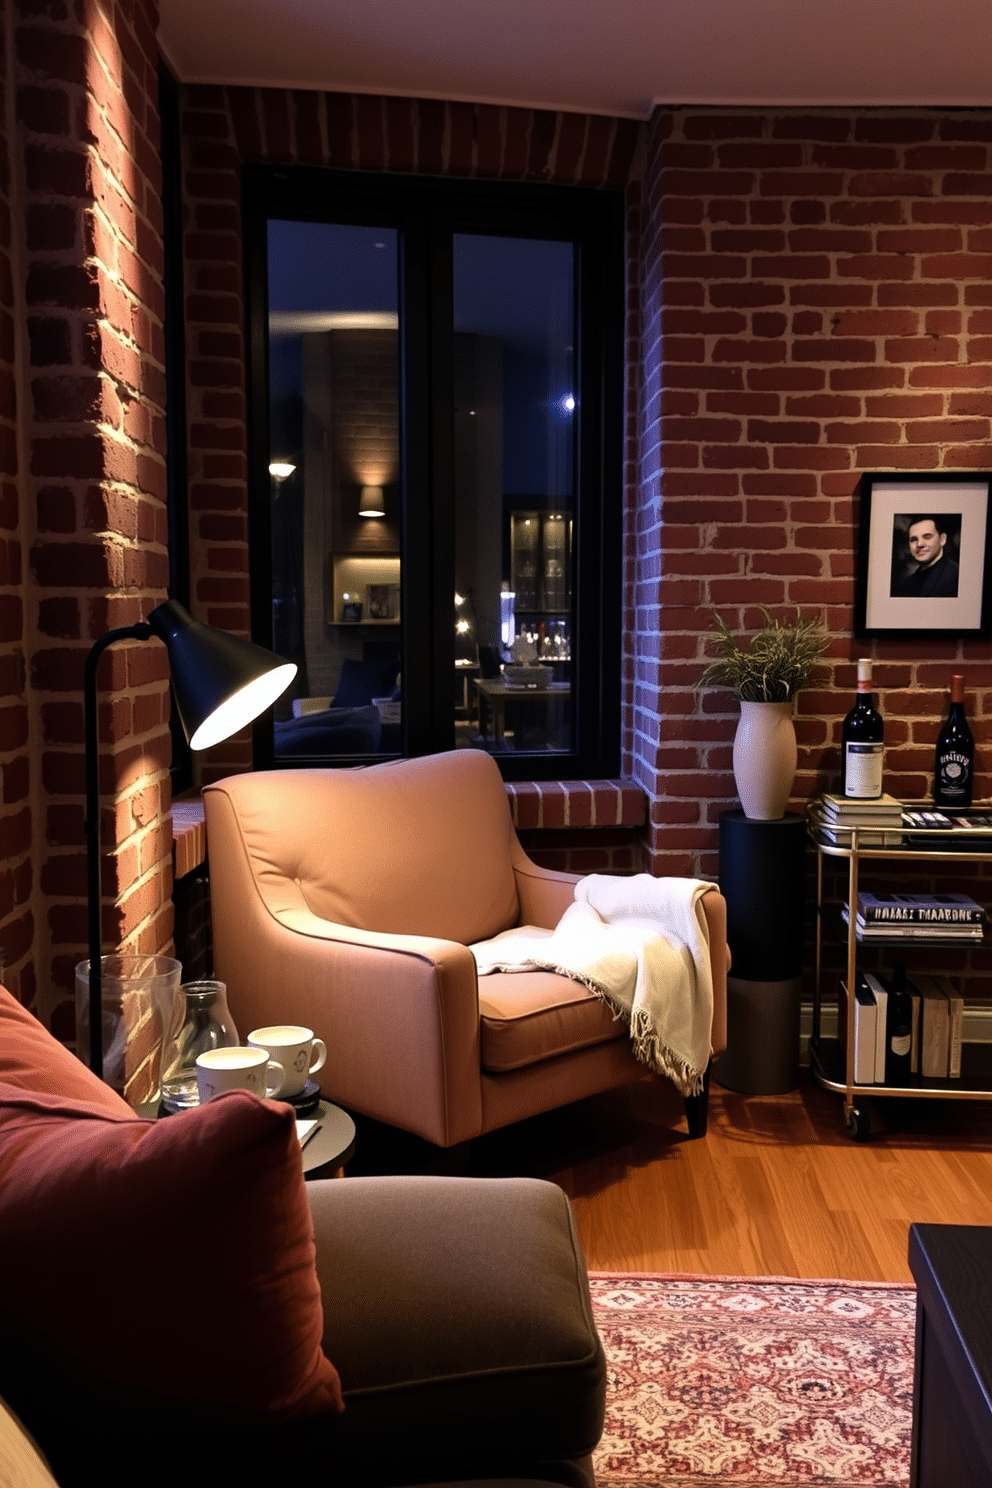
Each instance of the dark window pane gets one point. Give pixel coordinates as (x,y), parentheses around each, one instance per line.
(515,414)
(334,466)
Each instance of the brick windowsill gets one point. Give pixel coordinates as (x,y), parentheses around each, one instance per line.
(550,804)
(189,836)
(534,805)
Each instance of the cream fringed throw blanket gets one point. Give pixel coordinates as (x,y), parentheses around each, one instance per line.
(642,945)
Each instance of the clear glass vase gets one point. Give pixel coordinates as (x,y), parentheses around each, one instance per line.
(201,1020)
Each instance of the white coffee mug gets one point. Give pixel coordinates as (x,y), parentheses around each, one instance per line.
(300,1054)
(238,1068)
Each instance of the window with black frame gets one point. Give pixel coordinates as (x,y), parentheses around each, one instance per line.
(436,395)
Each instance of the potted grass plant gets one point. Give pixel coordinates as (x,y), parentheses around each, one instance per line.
(765,673)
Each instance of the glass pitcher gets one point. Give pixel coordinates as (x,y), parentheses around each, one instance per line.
(201,1020)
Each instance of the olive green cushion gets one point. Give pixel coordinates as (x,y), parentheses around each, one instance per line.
(458,1313)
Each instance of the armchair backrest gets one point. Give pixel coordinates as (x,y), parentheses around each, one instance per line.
(412,847)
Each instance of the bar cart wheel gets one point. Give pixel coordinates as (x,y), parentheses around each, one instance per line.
(858,1124)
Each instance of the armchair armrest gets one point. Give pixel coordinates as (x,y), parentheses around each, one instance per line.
(544,893)
(398,1013)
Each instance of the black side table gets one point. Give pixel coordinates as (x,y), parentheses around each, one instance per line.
(763,879)
(952,1385)
(326,1152)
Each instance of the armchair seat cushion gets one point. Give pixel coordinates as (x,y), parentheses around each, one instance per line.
(530,1015)
(515,1375)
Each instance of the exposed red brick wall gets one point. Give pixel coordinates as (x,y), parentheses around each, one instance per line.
(88,513)
(16,912)
(224,127)
(817,294)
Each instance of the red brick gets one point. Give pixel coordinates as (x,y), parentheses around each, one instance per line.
(861,379)
(44,110)
(459,137)
(834,349)
(786,379)
(917,294)
(957,266)
(746,294)
(946,431)
(968,183)
(878,267)
(50,53)
(812,183)
(572,133)
(922,349)
(821,126)
(823,405)
(306,126)
(949,376)
(783,432)
(876,323)
(872,212)
(339,110)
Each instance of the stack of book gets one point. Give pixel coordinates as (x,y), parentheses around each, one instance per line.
(935,1046)
(839,816)
(930,917)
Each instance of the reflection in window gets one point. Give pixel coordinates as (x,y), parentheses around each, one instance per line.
(437,379)
(515,418)
(334,468)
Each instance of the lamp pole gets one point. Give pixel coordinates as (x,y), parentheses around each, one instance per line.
(91,735)
(220,683)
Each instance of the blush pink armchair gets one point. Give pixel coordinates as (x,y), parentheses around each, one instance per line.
(346,900)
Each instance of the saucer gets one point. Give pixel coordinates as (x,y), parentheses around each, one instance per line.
(306,1101)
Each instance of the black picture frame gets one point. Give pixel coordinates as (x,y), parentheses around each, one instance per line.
(902,597)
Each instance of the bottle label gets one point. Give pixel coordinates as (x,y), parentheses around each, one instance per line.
(901,1043)
(863,771)
(954,769)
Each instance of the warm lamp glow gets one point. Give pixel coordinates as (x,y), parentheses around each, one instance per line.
(244,707)
(220,682)
(372,503)
(281,470)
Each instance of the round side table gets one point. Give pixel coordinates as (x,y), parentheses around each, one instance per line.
(326,1152)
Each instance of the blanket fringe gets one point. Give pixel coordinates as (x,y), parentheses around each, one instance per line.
(647,1048)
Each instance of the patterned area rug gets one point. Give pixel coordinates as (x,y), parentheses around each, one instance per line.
(764,1383)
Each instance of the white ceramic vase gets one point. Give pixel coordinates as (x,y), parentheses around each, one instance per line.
(765,759)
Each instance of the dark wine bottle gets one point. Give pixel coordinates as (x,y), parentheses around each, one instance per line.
(862,743)
(898,1029)
(954,762)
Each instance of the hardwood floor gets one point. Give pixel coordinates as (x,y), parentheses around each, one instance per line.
(776,1188)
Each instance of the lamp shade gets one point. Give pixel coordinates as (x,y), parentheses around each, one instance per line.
(221,682)
(372,502)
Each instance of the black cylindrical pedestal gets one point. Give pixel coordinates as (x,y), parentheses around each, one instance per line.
(762,878)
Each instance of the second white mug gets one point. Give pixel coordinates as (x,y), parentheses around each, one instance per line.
(296,1049)
(237,1068)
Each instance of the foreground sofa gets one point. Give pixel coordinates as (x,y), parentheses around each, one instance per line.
(176,1303)
(346,900)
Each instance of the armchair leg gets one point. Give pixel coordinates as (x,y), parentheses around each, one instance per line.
(697,1107)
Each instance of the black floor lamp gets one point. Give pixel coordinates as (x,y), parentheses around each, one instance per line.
(221,683)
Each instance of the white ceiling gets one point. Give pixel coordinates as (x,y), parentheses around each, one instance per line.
(601,56)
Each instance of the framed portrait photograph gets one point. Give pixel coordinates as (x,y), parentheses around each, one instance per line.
(923,564)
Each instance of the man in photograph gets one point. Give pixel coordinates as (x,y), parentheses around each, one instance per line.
(935,575)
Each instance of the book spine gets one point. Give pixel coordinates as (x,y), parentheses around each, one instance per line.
(865,1026)
(924,933)
(919,914)
(920,909)
(881,1028)
(955,1024)
(935,1040)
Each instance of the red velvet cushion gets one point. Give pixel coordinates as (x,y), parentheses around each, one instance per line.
(33,1060)
(171,1262)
